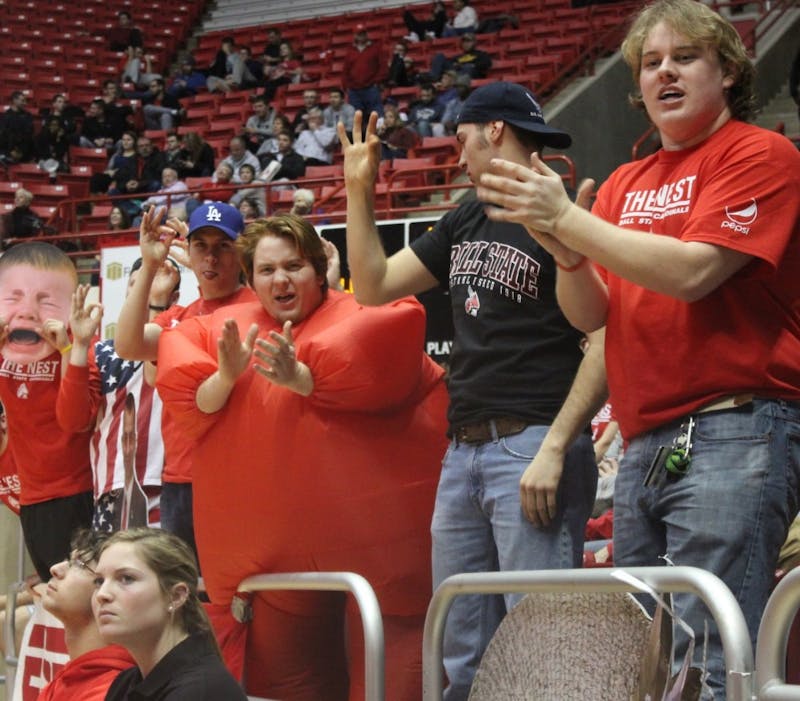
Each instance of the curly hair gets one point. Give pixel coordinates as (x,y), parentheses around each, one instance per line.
(700,24)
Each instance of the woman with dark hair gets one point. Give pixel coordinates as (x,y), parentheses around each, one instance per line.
(146,601)
(353,413)
(196,157)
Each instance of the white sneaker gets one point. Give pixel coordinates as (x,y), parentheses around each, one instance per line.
(413,37)
(430,35)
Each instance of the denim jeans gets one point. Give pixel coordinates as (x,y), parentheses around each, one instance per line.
(728,515)
(366,99)
(176,511)
(478,526)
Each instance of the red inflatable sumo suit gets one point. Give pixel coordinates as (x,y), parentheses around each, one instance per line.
(343,479)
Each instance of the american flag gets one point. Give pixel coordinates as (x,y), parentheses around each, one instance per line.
(119,378)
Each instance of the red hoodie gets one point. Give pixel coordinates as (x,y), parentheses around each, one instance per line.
(88,677)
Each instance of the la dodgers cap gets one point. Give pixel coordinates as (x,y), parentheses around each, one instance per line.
(217,215)
(511,103)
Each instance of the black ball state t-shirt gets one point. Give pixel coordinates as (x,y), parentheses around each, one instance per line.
(514,353)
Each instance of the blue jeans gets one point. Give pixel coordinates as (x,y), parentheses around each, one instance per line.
(729,514)
(176,511)
(366,99)
(478,526)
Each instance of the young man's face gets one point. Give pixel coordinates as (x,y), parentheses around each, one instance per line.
(69,592)
(683,87)
(284,143)
(172,143)
(215,263)
(260,109)
(28,297)
(476,151)
(335,99)
(310,98)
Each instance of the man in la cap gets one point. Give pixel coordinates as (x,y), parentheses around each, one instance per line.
(212,230)
(519,477)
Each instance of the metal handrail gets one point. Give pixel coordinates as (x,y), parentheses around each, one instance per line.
(374,661)
(773,636)
(715,594)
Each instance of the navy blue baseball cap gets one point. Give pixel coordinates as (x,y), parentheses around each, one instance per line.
(514,104)
(217,215)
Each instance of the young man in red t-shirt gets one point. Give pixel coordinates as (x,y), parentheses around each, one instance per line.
(697,276)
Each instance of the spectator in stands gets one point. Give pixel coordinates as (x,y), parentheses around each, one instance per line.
(471,61)
(118,220)
(249,209)
(68,115)
(288,70)
(302,202)
(316,143)
(730,227)
(338,110)
(151,163)
(280,123)
(16,131)
(196,158)
(172,150)
(465,20)
(92,664)
(138,68)
(310,102)
(252,69)
(187,81)
(425,113)
(161,110)
(225,73)
(318,359)
(157,616)
(364,69)
(96,130)
(172,195)
(239,155)
(431,28)
(272,49)
(52,147)
(22,221)
(247,176)
(211,231)
(396,138)
(292,165)
(122,163)
(259,124)
(450,116)
(119,117)
(398,70)
(219,188)
(124,35)
(36,284)
(517,418)
(446,87)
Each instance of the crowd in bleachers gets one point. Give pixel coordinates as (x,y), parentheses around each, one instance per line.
(104,70)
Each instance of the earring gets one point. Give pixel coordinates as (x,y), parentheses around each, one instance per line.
(170,608)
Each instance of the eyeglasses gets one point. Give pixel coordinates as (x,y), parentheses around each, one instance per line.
(81,565)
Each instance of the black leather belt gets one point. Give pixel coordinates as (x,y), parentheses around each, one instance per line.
(485,431)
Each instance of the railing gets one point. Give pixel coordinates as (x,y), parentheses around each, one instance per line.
(717,597)
(374,662)
(773,634)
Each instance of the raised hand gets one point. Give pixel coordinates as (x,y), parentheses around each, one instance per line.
(84,319)
(233,354)
(155,238)
(276,360)
(334,271)
(362,156)
(55,333)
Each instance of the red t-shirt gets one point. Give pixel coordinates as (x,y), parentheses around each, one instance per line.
(9,482)
(177,446)
(51,463)
(739,189)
